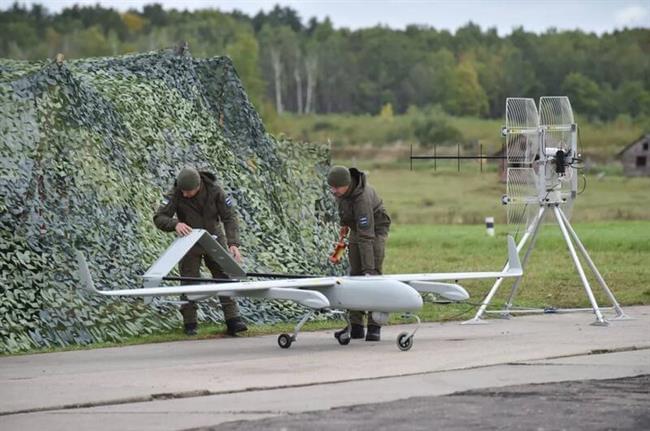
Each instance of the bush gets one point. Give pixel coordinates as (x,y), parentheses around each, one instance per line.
(433,128)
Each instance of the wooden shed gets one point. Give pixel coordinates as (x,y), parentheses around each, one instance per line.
(636,157)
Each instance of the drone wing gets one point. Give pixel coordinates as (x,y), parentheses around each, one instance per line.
(433,282)
(513,269)
(297,290)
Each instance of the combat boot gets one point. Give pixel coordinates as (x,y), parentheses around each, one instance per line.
(356,332)
(190,328)
(374,333)
(235,325)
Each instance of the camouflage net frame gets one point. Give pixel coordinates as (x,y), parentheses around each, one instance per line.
(87,149)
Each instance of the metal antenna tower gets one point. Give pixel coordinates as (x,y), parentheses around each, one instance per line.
(541,148)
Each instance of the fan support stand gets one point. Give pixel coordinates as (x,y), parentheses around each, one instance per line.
(570,237)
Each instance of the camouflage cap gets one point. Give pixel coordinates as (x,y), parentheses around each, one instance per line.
(339,176)
(188,179)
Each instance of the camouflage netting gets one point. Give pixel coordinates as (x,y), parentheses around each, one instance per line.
(87,149)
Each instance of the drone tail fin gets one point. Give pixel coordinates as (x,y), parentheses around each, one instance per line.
(84,273)
(514,264)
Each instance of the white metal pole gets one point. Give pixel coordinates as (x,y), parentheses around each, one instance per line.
(599,317)
(617,308)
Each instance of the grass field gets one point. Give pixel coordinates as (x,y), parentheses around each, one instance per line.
(621,250)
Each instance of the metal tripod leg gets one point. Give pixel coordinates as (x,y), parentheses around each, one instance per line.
(515,287)
(620,315)
(476,320)
(600,321)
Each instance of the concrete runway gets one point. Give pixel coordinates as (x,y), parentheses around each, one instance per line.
(200,384)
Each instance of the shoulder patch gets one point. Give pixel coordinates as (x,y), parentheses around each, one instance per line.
(228,201)
(165,201)
(363,222)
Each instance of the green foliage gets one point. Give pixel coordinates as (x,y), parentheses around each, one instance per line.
(386,112)
(468,97)
(90,31)
(583,93)
(432,127)
(87,150)
(314,68)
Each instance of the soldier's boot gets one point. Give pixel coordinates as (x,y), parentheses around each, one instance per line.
(356,331)
(235,325)
(189,328)
(374,333)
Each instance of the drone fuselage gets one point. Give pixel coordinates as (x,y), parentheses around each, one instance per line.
(372,294)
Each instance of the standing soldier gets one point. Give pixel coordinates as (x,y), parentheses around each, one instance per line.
(362,210)
(197,201)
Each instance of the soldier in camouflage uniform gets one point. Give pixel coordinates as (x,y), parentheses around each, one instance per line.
(362,210)
(197,201)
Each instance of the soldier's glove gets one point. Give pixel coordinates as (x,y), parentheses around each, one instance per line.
(339,248)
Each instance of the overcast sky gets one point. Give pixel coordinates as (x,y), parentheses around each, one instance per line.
(534,15)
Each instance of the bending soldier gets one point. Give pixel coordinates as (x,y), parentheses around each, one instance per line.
(362,210)
(197,201)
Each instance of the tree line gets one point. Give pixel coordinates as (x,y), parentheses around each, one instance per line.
(311,67)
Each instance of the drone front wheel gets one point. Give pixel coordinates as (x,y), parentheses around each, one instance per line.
(404,341)
(285,340)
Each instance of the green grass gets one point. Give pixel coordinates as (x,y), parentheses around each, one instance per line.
(620,250)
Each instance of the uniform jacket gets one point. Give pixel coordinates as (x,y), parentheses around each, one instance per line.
(206,210)
(363,211)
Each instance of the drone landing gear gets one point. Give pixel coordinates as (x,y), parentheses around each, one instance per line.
(344,336)
(405,339)
(285,340)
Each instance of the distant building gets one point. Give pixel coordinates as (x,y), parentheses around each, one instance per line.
(636,157)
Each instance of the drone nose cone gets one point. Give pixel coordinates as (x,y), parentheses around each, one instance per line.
(414,300)
(406,299)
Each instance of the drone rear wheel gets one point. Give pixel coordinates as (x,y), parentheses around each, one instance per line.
(404,341)
(285,340)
